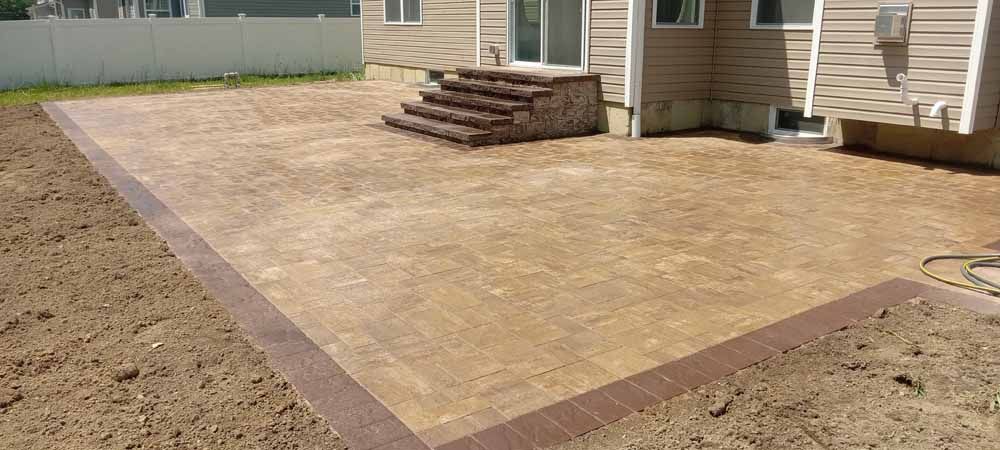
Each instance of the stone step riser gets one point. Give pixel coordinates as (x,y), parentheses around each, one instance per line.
(438,129)
(469,120)
(496,90)
(522,78)
(482,105)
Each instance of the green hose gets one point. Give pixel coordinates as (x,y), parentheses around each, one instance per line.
(977,282)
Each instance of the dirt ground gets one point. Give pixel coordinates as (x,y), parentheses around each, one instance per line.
(106,341)
(924,376)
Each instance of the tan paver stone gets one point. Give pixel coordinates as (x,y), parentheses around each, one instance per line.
(466,287)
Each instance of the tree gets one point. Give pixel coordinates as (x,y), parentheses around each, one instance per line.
(14,9)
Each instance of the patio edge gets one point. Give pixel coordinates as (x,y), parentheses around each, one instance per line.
(353,412)
(587,412)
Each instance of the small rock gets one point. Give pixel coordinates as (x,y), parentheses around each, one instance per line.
(257,379)
(213,428)
(126,372)
(720,407)
(8,397)
(881,313)
(157,345)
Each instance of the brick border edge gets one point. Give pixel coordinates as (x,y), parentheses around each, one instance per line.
(361,419)
(587,412)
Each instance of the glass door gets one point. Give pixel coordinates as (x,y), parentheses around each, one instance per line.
(547,32)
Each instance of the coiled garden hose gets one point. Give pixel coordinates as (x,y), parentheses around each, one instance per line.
(977,282)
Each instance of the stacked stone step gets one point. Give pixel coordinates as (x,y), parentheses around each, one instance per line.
(494,106)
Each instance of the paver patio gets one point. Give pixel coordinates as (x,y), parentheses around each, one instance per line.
(464,288)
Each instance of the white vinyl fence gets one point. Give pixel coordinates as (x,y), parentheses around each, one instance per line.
(98,51)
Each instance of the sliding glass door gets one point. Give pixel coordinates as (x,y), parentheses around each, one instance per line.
(547,32)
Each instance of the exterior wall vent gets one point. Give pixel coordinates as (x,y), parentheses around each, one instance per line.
(892,25)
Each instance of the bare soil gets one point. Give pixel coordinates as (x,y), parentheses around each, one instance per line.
(922,376)
(106,340)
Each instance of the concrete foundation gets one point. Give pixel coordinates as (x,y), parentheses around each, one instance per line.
(980,149)
(399,74)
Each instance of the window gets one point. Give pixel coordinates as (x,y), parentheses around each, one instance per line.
(159,7)
(75,13)
(792,122)
(782,14)
(678,13)
(355,8)
(404,12)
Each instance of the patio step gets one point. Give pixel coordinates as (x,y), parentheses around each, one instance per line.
(496,89)
(534,77)
(458,116)
(475,102)
(444,130)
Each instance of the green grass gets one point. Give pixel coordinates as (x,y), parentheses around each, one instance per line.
(54,92)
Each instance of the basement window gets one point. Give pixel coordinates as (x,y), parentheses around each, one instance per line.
(434,76)
(782,14)
(403,12)
(679,13)
(793,122)
(355,8)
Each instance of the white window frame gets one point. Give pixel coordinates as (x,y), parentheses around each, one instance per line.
(402,14)
(169,10)
(69,13)
(698,26)
(358,3)
(584,48)
(772,123)
(785,26)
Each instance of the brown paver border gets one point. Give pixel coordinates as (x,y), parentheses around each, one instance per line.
(360,418)
(367,424)
(592,410)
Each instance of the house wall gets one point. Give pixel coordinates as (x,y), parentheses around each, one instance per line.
(857,80)
(445,40)
(107,9)
(283,8)
(678,61)
(608,25)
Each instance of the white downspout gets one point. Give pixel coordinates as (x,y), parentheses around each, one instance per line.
(633,63)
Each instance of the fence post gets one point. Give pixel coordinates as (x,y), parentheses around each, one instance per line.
(152,43)
(52,45)
(322,43)
(243,43)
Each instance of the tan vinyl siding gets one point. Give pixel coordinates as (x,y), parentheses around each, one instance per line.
(758,65)
(858,81)
(677,64)
(608,27)
(445,41)
(493,30)
(989,92)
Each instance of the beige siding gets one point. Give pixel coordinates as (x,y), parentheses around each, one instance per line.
(608,27)
(446,40)
(677,64)
(989,93)
(858,81)
(755,65)
(493,30)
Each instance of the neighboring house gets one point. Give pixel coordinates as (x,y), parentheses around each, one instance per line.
(115,9)
(780,67)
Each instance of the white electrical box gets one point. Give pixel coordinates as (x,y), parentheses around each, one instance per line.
(892,25)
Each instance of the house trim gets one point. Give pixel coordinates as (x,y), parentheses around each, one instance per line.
(479,36)
(634,43)
(977,56)
(814,56)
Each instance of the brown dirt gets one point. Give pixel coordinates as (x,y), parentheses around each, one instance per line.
(857,388)
(88,293)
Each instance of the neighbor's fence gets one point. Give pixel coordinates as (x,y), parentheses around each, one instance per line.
(131,50)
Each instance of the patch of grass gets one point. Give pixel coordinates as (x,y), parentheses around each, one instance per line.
(55,92)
